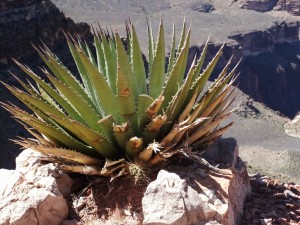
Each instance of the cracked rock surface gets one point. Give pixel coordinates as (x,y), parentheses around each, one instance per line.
(32,194)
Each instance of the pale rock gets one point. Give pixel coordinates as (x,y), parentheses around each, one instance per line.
(218,202)
(169,200)
(203,197)
(79,203)
(211,195)
(28,159)
(32,159)
(221,211)
(218,199)
(32,194)
(292,127)
(266,221)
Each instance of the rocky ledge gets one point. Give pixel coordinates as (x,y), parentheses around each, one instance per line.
(188,194)
(33,193)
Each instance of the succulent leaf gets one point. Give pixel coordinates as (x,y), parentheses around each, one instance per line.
(104,95)
(125,99)
(172,53)
(151,111)
(200,61)
(124,64)
(177,73)
(137,63)
(82,71)
(110,64)
(88,136)
(92,117)
(123,133)
(143,103)
(134,146)
(151,44)
(182,36)
(151,132)
(52,93)
(202,79)
(101,64)
(157,72)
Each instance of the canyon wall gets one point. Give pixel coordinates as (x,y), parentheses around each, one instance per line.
(23,23)
(270,67)
(27,22)
(290,6)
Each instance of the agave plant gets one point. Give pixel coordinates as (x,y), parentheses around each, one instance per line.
(117,112)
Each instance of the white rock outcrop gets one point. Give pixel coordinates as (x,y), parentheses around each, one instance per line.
(196,195)
(33,193)
(169,200)
(292,127)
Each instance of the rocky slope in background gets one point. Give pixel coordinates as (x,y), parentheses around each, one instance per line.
(290,6)
(22,23)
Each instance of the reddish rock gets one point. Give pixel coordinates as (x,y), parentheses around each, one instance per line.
(292,127)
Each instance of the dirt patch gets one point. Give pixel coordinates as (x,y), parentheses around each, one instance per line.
(98,199)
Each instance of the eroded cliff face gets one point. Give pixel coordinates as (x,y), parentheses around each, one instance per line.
(271,66)
(22,23)
(290,6)
(32,21)
(270,69)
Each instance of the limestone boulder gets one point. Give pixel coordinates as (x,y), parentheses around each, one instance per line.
(292,127)
(195,194)
(33,193)
(169,200)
